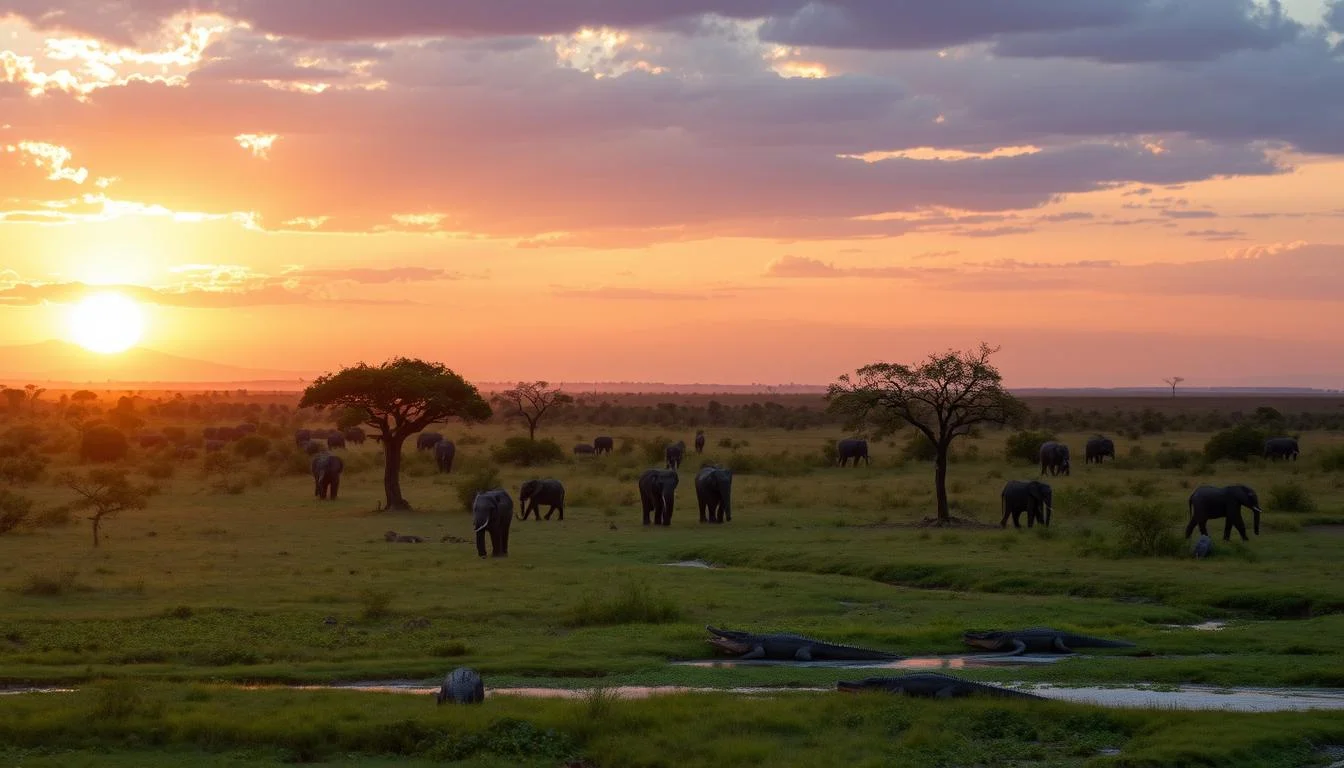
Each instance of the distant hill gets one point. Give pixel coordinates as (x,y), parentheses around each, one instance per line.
(61,362)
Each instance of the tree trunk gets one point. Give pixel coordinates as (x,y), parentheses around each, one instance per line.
(96,521)
(532,430)
(392,472)
(940,481)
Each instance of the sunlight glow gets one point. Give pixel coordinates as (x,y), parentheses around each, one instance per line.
(106,323)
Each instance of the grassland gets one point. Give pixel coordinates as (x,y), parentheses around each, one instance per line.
(271,586)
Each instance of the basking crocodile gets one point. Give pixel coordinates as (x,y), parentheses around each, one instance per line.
(931,685)
(1037,640)
(785,647)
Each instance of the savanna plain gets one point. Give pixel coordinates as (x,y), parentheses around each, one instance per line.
(203,628)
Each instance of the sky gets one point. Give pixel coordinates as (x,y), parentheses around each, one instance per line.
(728,191)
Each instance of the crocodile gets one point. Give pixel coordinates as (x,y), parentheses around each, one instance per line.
(1037,640)
(931,685)
(786,647)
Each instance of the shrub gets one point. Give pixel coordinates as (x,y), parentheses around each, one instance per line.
(159,470)
(1290,497)
(375,604)
(103,443)
(483,479)
(1145,530)
(740,463)
(177,435)
(1143,487)
(14,510)
(1238,443)
(1332,460)
(655,450)
(918,448)
(225,469)
(252,447)
(41,585)
(1174,458)
(22,469)
(635,604)
(831,452)
(523,452)
(1026,446)
(1082,499)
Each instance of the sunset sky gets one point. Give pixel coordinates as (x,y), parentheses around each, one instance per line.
(726,191)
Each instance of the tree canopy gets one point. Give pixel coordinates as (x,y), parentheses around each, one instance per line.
(530,402)
(105,493)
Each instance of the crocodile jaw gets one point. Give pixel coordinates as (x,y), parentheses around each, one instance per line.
(731,646)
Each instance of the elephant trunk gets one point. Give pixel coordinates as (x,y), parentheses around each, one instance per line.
(1255,519)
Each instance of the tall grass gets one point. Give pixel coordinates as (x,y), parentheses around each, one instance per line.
(634,603)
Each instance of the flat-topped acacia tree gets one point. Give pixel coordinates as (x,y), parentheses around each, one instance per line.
(399,398)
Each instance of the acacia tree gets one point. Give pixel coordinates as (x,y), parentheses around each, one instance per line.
(106,493)
(398,398)
(944,397)
(530,402)
(1172,382)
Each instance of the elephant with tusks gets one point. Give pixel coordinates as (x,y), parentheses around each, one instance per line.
(327,469)
(1281,448)
(492,513)
(1210,503)
(852,449)
(1097,449)
(675,453)
(461,686)
(1033,497)
(658,494)
(714,494)
(534,493)
(1054,458)
(444,453)
(603,444)
(426,441)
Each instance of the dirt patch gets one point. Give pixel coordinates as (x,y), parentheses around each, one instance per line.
(954,522)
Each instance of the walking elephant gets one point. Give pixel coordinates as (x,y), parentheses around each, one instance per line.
(1209,503)
(314,447)
(492,513)
(444,453)
(700,441)
(335,440)
(1054,458)
(1033,497)
(852,449)
(658,494)
(534,493)
(714,494)
(354,436)
(1097,449)
(327,469)
(675,453)
(302,437)
(584,449)
(427,440)
(1281,448)
(603,445)
(246,429)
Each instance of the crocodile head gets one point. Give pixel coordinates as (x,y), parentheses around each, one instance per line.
(731,640)
(991,640)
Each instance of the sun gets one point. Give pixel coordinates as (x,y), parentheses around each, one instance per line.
(107,323)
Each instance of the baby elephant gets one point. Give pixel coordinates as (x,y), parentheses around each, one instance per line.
(534,493)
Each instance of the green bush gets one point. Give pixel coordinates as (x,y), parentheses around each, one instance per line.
(1290,497)
(103,443)
(1238,443)
(1026,446)
(252,447)
(918,448)
(1332,459)
(1143,487)
(1174,458)
(483,479)
(523,452)
(1145,530)
(22,469)
(655,450)
(1082,499)
(831,451)
(14,510)
(635,604)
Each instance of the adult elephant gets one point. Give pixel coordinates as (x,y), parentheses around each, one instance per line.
(1033,497)
(603,444)
(426,441)
(658,494)
(444,453)
(492,513)
(534,493)
(852,449)
(314,447)
(302,437)
(584,449)
(335,440)
(1209,503)
(1281,448)
(327,469)
(700,441)
(247,428)
(1054,458)
(675,453)
(714,494)
(1097,449)
(354,436)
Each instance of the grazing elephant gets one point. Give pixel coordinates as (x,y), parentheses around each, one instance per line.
(327,469)
(658,494)
(314,447)
(534,493)
(1209,503)
(427,440)
(1097,449)
(1033,497)
(214,446)
(1054,458)
(444,453)
(354,436)
(603,445)
(335,440)
(675,453)
(714,494)
(492,512)
(1281,448)
(461,686)
(852,449)
(700,441)
(584,449)
(302,437)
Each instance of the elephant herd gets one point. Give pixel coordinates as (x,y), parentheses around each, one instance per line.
(316,441)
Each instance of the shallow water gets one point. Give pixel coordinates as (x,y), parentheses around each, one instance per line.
(691,564)
(912,662)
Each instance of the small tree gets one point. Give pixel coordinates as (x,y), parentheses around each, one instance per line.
(1172,382)
(105,493)
(398,399)
(530,402)
(943,397)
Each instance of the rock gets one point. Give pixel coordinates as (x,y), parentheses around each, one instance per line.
(461,686)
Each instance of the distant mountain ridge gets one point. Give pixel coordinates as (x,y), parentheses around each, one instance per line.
(58,361)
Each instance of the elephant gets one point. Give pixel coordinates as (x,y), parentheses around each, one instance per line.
(700,441)
(327,469)
(1054,458)
(1097,449)
(228,434)
(354,436)
(584,449)
(427,440)
(1209,503)
(444,453)
(675,453)
(314,447)
(214,446)
(1203,547)
(461,686)
(714,494)
(603,445)
(1033,497)
(534,493)
(302,436)
(335,440)
(852,449)
(492,512)
(1281,448)
(246,429)
(658,494)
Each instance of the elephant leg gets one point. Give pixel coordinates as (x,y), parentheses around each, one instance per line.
(335,488)
(1190,526)
(504,542)
(561,508)
(1240,524)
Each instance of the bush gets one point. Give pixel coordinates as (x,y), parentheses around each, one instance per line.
(1083,499)
(1290,497)
(1174,458)
(636,604)
(103,443)
(1026,446)
(175,435)
(483,479)
(1146,531)
(22,469)
(226,469)
(252,447)
(159,470)
(831,452)
(1332,460)
(1143,487)
(523,452)
(1238,443)
(14,510)
(655,450)
(918,448)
